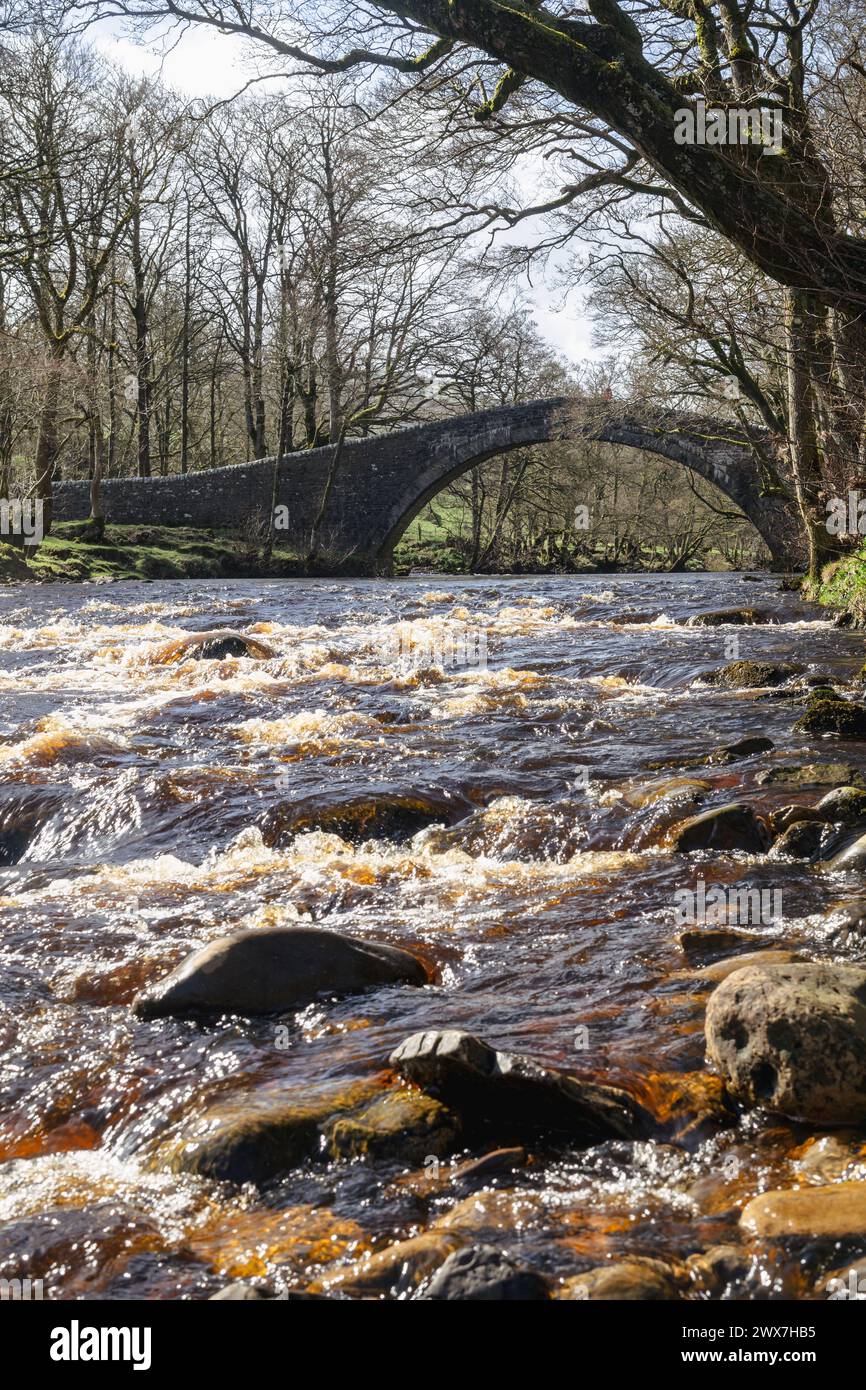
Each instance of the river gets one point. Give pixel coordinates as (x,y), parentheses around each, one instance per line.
(151,802)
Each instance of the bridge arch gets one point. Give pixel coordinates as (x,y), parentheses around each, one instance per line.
(707,447)
(375,487)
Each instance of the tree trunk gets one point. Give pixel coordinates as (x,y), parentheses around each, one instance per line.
(47,443)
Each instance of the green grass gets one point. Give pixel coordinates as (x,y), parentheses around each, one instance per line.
(138,552)
(843,584)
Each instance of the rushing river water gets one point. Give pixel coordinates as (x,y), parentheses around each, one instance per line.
(151,802)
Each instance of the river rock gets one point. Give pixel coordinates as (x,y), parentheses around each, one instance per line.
(721,969)
(842,718)
(829,1157)
(263,1136)
(844,805)
(792,1038)
(492,1214)
(638,1279)
(243,1293)
(786,816)
(735,752)
(396,1270)
(748,675)
(383,815)
(483,1274)
(260,1136)
(722,1270)
(727,617)
(270,969)
(262,1293)
(832,1212)
(513,1096)
(499,1163)
(403,1124)
(802,840)
(218,645)
(853,856)
(704,943)
(808,774)
(731,827)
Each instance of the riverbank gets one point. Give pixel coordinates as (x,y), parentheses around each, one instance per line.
(843,586)
(142,552)
(184,552)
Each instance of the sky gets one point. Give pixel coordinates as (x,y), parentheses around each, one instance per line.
(203,63)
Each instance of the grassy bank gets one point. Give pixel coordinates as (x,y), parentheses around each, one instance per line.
(163,552)
(843,585)
(140,552)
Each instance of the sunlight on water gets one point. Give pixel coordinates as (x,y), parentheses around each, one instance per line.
(508,822)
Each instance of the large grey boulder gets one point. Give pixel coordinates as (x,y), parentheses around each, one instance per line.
(513,1096)
(792,1039)
(276,968)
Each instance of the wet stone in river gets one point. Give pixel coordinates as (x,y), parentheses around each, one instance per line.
(270,969)
(792,1038)
(731,827)
(514,1096)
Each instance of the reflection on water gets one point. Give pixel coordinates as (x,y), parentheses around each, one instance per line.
(506,822)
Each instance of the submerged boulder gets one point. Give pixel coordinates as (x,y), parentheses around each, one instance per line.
(721,1270)
(731,827)
(747,675)
(383,814)
(727,617)
(217,645)
(802,840)
(841,718)
(262,1136)
(808,774)
(853,856)
(514,1096)
(845,923)
(395,1271)
(483,1274)
(276,968)
(402,1123)
(787,816)
(792,1038)
(745,748)
(637,1279)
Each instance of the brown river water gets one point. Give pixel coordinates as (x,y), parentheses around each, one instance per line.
(151,802)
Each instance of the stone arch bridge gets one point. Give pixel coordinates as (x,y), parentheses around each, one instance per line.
(381,483)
